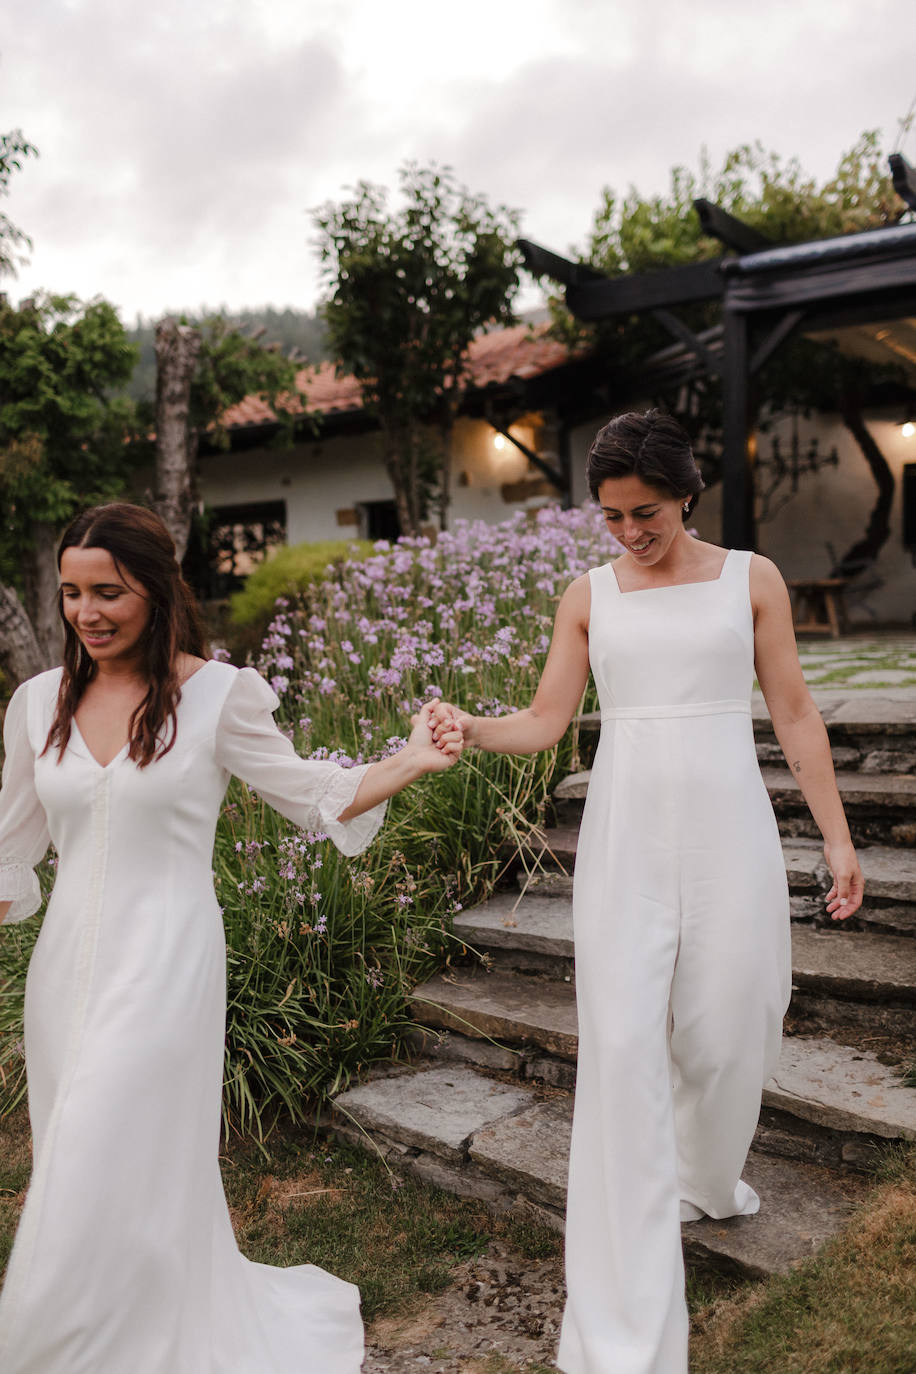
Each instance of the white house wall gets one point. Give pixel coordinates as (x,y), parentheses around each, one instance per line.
(831,507)
(317,480)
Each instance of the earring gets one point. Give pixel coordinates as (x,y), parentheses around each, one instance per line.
(686,507)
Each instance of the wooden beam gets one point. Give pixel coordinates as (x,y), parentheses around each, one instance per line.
(777,335)
(734,233)
(904,178)
(687,337)
(542,263)
(625,295)
(737,474)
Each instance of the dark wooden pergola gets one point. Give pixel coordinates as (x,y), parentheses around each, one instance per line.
(767,293)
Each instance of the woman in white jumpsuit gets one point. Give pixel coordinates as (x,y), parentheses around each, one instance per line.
(125,1260)
(680,903)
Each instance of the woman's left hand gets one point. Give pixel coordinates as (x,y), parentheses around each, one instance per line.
(845,896)
(436,754)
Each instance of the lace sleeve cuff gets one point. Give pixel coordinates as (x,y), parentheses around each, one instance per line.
(19,885)
(350,837)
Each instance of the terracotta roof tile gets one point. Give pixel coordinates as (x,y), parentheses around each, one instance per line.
(521,351)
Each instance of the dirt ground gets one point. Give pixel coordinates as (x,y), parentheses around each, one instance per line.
(500,1314)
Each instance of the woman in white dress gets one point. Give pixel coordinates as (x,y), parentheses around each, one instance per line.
(680,905)
(125,1260)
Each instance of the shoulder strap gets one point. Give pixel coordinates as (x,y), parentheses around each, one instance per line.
(604,579)
(737,565)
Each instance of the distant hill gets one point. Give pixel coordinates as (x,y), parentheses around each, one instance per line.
(289,328)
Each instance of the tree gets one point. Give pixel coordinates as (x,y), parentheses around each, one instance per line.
(13,149)
(62,446)
(202,370)
(407,292)
(70,437)
(634,233)
(299,334)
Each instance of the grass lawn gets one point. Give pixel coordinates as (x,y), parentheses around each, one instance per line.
(340,1208)
(849,1310)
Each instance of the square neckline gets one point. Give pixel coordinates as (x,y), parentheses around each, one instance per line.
(673,586)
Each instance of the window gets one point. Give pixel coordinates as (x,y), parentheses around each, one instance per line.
(379,520)
(228,542)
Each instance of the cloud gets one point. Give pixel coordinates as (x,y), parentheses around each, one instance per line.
(182,145)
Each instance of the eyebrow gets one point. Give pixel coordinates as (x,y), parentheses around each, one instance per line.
(100,586)
(610,510)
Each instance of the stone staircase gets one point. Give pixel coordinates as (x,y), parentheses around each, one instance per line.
(486,1111)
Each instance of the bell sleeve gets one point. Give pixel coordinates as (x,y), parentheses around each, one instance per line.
(23,824)
(309,792)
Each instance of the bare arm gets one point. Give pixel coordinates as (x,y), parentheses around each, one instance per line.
(4,908)
(559,691)
(800,730)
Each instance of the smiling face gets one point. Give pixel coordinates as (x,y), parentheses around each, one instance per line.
(646,520)
(107,609)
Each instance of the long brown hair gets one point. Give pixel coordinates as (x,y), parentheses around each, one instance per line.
(140,545)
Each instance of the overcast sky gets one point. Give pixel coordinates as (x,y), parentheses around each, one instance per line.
(183,142)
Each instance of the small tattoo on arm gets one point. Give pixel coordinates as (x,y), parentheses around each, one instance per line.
(796,767)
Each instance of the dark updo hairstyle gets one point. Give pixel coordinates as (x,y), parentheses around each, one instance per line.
(141,547)
(654,447)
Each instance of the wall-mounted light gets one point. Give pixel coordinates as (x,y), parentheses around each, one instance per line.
(908,429)
(499,441)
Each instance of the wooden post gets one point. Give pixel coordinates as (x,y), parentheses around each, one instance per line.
(738,529)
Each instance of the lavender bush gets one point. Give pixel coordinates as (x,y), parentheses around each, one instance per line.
(324,950)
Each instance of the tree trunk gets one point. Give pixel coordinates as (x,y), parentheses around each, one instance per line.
(413,479)
(864,552)
(177,347)
(394,466)
(39,574)
(447,431)
(20,655)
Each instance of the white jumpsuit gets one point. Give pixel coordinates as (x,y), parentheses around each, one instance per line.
(125,1260)
(682,960)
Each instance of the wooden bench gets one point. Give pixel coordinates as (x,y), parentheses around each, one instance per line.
(819,605)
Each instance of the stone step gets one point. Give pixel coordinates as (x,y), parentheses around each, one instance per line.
(526,1011)
(890,879)
(880,807)
(855,978)
(874,731)
(478,1137)
(890,885)
(530,932)
(833,1105)
(849,977)
(827,1103)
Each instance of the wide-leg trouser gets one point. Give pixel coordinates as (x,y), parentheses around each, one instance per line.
(683,976)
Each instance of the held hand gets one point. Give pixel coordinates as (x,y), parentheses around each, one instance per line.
(845,896)
(447,718)
(437,747)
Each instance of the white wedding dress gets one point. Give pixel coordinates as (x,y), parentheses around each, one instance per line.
(125,1261)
